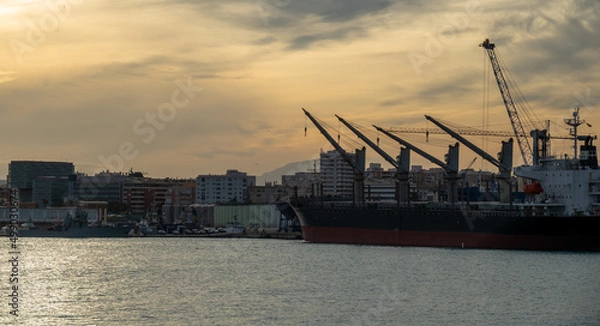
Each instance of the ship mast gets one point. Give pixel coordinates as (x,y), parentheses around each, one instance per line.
(574,122)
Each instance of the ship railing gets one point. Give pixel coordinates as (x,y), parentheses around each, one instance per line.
(493,213)
(387,205)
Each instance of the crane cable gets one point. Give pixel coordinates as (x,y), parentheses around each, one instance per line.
(529,118)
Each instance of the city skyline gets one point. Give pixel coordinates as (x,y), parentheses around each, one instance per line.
(181,88)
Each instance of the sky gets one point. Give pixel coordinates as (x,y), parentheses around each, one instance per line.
(178,88)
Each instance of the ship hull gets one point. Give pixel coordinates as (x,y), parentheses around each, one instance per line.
(449,228)
(447,239)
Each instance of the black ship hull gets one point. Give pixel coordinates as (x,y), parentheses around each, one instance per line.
(422,225)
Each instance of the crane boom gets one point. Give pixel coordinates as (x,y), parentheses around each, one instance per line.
(333,143)
(470,145)
(417,150)
(376,148)
(511,109)
(358,167)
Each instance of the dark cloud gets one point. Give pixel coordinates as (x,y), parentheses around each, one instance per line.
(551,37)
(336,10)
(265,40)
(550,51)
(339,34)
(453,88)
(391,102)
(297,23)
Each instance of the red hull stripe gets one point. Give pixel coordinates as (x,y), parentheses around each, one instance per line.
(446,239)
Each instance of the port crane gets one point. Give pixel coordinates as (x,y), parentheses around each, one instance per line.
(511,109)
(463,130)
(467,131)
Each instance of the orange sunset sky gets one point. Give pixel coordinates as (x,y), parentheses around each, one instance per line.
(180,88)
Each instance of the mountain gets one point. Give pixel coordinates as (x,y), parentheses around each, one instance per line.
(288,169)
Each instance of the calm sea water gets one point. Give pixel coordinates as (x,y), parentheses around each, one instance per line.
(177,281)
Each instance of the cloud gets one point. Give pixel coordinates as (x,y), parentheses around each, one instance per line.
(7,76)
(306,41)
(391,102)
(112,62)
(336,11)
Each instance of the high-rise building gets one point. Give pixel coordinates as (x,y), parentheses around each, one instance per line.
(45,183)
(230,187)
(336,174)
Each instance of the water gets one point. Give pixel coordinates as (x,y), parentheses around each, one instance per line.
(194,281)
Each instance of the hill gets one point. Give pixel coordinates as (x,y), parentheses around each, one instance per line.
(288,169)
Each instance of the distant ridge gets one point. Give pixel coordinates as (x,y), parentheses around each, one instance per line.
(288,169)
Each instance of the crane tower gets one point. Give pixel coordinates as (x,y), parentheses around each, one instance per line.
(511,108)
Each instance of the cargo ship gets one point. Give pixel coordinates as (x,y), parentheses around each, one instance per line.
(561,211)
(525,226)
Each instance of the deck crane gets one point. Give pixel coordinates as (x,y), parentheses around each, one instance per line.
(513,114)
(450,167)
(376,148)
(503,162)
(402,164)
(358,166)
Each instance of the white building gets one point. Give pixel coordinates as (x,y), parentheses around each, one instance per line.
(336,174)
(227,188)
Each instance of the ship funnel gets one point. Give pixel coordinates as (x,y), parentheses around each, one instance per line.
(588,156)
